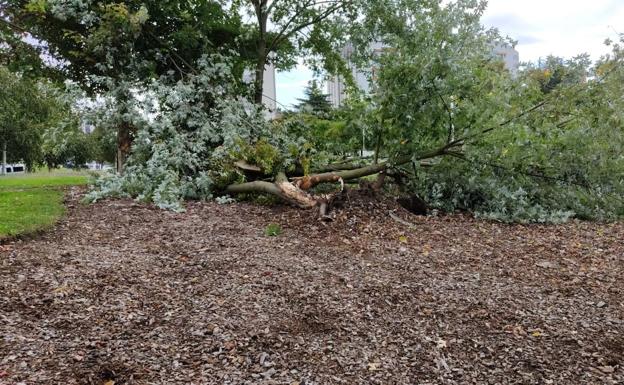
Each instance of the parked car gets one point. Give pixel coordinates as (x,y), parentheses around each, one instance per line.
(14,168)
(98,166)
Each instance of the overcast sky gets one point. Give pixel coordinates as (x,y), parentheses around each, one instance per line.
(541,27)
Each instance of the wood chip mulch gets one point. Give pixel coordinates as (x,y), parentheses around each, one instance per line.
(123,293)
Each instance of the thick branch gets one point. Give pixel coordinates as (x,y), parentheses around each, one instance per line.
(285,33)
(254,187)
(307,182)
(340,167)
(282,188)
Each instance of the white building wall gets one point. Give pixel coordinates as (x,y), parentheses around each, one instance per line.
(269,98)
(269,92)
(336,91)
(509,56)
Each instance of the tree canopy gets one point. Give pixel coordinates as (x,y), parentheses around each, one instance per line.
(37,124)
(287,30)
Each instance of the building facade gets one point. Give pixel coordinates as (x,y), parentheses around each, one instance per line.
(269,92)
(509,56)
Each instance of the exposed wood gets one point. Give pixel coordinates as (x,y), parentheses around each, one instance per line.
(281,188)
(296,196)
(243,165)
(294,192)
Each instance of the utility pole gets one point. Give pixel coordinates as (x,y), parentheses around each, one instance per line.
(4,161)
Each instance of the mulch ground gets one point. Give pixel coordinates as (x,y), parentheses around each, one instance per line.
(123,293)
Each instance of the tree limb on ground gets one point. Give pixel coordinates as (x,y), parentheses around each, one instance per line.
(295,191)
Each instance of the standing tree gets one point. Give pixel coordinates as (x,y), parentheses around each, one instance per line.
(26,110)
(315,101)
(285,30)
(115,47)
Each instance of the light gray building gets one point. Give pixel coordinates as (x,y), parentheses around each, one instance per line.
(508,54)
(336,87)
(269,92)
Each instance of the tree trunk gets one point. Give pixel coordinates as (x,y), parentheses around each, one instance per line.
(261,48)
(4,157)
(259,81)
(124,144)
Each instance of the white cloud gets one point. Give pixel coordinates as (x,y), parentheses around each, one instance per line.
(558,27)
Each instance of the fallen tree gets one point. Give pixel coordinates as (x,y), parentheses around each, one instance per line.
(447,123)
(295,190)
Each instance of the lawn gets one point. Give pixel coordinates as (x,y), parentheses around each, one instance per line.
(32,202)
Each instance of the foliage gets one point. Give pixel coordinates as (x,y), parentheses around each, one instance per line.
(189,135)
(272,230)
(287,30)
(39,123)
(534,148)
(452,123)
(103,144)
(555,71)
(126,39)
(63,140)
(314,102)
(24,111)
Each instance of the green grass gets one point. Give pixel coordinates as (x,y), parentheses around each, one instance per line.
(43,179)
(27,211)
(32,202)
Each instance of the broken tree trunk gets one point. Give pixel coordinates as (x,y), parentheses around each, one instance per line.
(282,188)
(295,192)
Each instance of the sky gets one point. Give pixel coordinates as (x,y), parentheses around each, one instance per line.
(563,28)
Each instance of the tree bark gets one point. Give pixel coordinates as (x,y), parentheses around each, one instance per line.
(261,48)
(259,81)
(124,144)
(295,192)
(281,188)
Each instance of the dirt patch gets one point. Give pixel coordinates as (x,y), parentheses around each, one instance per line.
(123,293)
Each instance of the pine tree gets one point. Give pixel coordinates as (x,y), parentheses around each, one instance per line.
(315,101)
